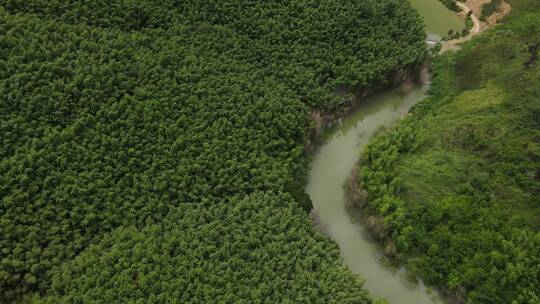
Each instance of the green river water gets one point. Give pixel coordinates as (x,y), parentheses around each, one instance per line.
(336,156)
(438,19)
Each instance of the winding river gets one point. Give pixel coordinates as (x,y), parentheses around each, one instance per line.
(336,156)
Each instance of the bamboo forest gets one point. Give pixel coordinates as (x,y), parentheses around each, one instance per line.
(174,151)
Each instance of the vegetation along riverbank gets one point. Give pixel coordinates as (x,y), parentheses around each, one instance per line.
(456,185)
(150,149)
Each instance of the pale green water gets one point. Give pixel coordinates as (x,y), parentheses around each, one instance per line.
(336,157)
(438,19)
(331,167)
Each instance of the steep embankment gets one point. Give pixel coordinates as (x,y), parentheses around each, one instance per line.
(150,148)
(457,183)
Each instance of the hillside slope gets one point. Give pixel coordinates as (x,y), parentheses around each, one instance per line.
(458,181)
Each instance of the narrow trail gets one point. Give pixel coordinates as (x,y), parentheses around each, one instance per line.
(477,28)
(477,25)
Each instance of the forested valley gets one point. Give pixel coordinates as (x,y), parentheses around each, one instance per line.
(456,184)
(152,151)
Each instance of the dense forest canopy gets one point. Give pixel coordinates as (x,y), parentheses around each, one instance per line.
(263,238)
(152,151)
(458,182)
(315,45)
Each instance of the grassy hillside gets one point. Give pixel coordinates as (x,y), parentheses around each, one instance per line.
(458,181)
(150,151)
